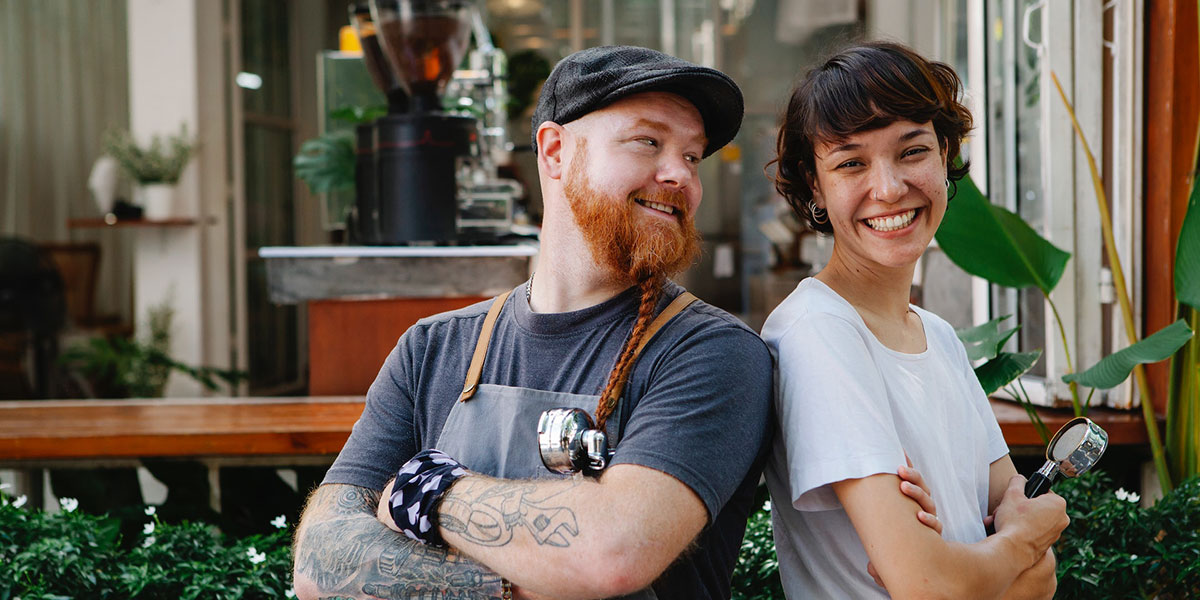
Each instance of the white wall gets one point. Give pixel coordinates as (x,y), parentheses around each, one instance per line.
(176,78)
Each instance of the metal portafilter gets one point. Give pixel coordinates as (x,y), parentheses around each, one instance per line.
(569,442)
(1076,448)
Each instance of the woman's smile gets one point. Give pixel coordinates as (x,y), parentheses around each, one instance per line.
(892,223)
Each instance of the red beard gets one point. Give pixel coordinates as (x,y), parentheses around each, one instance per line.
(637,248)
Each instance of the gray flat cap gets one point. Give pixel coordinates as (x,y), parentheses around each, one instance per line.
(596,77)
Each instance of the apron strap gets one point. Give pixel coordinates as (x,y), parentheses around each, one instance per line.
(481,348)
(676,306)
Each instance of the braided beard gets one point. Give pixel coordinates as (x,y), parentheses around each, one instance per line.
(630,246)
(644,251)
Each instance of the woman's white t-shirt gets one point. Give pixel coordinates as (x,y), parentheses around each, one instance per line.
(849,407)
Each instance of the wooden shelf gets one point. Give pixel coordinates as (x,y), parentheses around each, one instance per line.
(98,223)
(1123,427)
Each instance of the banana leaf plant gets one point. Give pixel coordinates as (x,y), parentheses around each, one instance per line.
(990,242)
(1183,395)
(985,342)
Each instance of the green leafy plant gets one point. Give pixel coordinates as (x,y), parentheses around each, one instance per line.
(326,162)
(756,574)
(985,342)
(129,368)
(1114,548)
(162,161)
(1183,393)
(988,241)
(72,554)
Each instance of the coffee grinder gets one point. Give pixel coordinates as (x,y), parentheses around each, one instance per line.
(417,146)
(363,224)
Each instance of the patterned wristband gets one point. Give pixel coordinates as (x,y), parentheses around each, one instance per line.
(419,487)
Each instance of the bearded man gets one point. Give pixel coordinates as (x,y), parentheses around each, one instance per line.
(681,389)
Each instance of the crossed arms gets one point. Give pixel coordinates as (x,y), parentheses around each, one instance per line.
(913,561)
(532,532)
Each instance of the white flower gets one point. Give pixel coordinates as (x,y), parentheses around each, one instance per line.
(290,593)
(279,522)
(1132,557)
(1133,497)
(149,511)
(68,504)
(20,501)
(1122,494)
(256,556)
(149,542)
(148,529)
(767,506)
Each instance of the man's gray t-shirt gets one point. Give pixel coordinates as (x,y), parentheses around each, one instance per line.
(696,406)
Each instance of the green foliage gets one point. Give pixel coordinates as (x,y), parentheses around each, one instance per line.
(1007,366)
(128,368)
(326,163)
(1116,549)
(1183,398)
(985,341)
(756,575)
(991,242)
(1116,367)
(527,70)
(71,554)
(358,114)
(1187,253)
(160,162)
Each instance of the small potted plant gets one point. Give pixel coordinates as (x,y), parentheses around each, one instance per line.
(155,168)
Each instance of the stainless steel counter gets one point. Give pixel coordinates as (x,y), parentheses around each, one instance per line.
(301,273)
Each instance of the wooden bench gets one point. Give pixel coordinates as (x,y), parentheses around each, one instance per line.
(39,432)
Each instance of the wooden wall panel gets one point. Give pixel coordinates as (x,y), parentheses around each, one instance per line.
(349,339)
(1172,90)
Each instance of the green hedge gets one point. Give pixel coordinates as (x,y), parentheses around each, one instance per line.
(1113,549)
(71,554)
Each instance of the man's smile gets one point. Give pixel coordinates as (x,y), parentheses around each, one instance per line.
(658,206)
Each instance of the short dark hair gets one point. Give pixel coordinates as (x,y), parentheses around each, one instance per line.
(867,86)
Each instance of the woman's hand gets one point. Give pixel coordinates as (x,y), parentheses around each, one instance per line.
(912,484)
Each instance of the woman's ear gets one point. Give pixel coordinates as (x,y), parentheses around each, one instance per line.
(815,186)
(550,149)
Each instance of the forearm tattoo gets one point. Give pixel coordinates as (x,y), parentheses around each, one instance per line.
(343,549)
(487,512)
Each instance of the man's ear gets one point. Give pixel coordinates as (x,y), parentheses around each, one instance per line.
(550,149)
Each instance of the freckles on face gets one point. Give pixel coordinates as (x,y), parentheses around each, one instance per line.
(884,190)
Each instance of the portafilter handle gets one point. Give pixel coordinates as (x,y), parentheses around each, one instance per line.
(569,443)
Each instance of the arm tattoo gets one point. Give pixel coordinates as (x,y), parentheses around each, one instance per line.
(488,511)
(343,549)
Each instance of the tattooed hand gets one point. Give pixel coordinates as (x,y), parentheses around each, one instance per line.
(342,551)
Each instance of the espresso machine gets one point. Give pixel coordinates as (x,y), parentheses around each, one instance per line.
(408,173)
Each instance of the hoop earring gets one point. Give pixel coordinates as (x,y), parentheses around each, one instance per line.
(819,215)
(952,188)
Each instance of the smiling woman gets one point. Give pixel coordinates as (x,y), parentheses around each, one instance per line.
(868,383)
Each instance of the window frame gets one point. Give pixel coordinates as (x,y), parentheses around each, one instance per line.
(1071,36)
